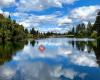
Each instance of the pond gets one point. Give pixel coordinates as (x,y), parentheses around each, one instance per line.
(50,59)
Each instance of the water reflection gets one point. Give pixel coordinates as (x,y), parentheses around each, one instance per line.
(8,49)
(88,46)
(61,59)
(83,45)
(96,48)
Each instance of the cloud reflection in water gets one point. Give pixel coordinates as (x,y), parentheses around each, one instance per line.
(59,60)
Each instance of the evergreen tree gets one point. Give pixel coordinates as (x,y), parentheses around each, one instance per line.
(89,28)
(33,31)
(97,24)
(73,30)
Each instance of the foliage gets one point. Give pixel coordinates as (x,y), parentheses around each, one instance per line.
(10,30)
(97,24)
(8,49)
(94,34)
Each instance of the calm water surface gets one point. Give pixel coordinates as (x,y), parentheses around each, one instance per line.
(50,59)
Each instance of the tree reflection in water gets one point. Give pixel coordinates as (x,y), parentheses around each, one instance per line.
(96,48)
(8,49)
(89,45)
(33,43)
(82,45)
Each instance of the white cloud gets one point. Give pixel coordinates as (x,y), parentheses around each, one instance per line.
(56,21)
(68,1)
(1,11)
(31,5)
(5,13)
(64,20)
(43,22)
(49,22)
(85,12)
(4,3)
(36,21)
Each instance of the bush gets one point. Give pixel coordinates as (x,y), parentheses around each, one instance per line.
(94,34)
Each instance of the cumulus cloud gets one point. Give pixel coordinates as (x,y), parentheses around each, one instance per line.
(53,22)
(64,20)
(85,13)
(4,3)
(37,20)
(68,1)
(57,21)
(43,22)
(49,22)
(37,5)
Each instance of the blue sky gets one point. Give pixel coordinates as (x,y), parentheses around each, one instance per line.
(50,15)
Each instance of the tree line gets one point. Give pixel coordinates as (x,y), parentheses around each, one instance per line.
(37,34)
(11,30)
(89,30)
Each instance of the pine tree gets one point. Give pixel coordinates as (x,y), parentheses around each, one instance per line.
(89,28)
(97,24)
